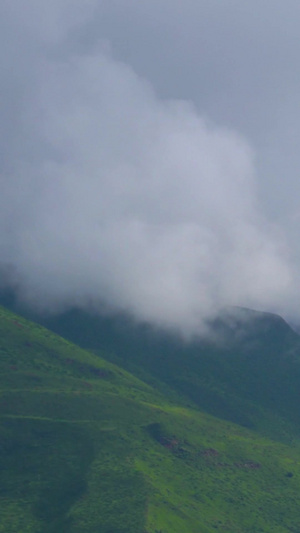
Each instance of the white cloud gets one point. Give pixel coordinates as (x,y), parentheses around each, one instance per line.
(115,196)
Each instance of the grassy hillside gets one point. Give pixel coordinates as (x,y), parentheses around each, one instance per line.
(87,447)
(247,373)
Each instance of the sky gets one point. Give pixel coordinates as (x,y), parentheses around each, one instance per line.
(149,156)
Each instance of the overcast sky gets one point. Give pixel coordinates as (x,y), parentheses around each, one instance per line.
(149,155)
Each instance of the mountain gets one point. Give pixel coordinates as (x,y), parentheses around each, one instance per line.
(87,446)
(247,371)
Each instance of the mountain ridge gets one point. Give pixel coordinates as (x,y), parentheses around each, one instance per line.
(86,446)
(249,364)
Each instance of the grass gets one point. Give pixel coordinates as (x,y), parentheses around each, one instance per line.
(250,375)
(86,447)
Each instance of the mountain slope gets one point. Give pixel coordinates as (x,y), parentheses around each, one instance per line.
(247,372)
(87,447)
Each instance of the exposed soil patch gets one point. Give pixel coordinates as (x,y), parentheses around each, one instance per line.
(210,452)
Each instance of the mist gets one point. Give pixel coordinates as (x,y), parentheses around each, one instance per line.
(116,197)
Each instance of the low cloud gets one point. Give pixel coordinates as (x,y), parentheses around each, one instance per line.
(115,198)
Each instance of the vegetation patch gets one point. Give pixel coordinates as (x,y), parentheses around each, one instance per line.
(87,447)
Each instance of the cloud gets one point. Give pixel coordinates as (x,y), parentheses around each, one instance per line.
(116,197)
(237,61)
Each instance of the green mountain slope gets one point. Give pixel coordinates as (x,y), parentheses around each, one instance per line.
(87,447)
(248,373)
